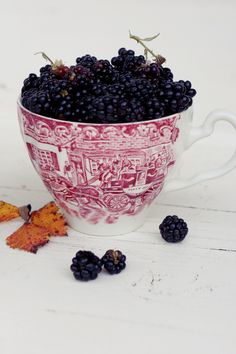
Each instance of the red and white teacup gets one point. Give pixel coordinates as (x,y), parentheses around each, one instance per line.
(105,176)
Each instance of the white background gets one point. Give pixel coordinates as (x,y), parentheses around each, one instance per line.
(197,38)
(192,308)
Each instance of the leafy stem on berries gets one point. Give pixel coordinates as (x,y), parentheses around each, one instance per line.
(141,40)
(159,59)
(146,54)
(55,64)
(45,57)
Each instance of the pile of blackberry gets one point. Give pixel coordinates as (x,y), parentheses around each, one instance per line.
(125,89)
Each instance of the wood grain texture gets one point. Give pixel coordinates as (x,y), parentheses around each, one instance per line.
(184,291)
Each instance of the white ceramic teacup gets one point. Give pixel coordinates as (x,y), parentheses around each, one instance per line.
(105,176)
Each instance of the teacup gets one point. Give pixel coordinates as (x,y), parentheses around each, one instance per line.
(104,177)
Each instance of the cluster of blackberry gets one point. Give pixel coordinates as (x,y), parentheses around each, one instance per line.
(127,89)
(86,265)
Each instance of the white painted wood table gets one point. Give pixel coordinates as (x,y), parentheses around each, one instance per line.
(172,298)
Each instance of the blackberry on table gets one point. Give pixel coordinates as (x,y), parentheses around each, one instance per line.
(173,229)
(114,261)
(86,266)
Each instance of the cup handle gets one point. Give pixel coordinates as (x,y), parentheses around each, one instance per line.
(196,134)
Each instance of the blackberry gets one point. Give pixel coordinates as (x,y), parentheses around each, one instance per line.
(60,70)
(150,72)
(139,88)
(114,261)
(155,108)
(64,108)
(46,73)
(99,89)
(80,77)
(122,51)
(173,229)
(45,69)
(134,111)
(127,61)
(98,109)
(166,74)
(116,90)
(103,71)
(192,92)
(84,111)
(31,82)
(87,61)
(37,101)
(86,266)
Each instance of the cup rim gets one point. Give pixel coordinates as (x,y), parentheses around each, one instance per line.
(101,124)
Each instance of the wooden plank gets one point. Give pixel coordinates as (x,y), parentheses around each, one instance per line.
(167,290)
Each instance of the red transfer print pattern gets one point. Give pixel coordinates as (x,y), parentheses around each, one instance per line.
(101,172)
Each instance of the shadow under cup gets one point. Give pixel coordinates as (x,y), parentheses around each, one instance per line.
(103,176)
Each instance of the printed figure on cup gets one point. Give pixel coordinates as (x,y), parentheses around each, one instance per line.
(103,172)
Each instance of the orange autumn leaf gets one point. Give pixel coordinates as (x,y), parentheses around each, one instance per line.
(51,219)
(8,211)
(28,237)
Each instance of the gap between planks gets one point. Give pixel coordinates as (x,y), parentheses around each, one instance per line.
(24,188)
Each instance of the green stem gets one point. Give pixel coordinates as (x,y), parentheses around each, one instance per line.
(139,40)
(45,57)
